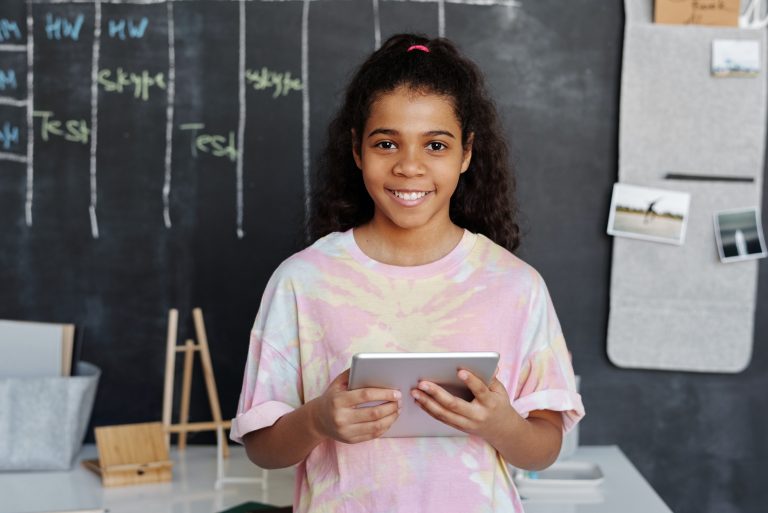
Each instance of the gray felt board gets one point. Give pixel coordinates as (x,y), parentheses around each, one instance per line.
(679,307)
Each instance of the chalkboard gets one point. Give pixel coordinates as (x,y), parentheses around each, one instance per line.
(159,154)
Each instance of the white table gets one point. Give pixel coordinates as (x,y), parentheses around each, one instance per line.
(194,475)
(623,489)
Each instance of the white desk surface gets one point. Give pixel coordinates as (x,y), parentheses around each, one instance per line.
(194,474)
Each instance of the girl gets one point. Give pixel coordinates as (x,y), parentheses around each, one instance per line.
(415,231)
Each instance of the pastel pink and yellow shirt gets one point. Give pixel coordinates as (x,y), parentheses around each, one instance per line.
(330,301)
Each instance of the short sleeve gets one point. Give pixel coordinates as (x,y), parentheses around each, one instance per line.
(272,378)
(546,379)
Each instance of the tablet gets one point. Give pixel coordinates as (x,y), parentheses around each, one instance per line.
(403,371)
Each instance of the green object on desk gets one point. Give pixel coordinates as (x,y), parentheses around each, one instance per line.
(249,507)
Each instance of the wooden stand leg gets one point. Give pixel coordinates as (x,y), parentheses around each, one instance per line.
(186,389)
(170,359)
(210,381)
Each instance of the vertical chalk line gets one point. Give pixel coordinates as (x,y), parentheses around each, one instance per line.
(305,106)
(169,116)
(30,119)
(241,121)
(441,18)
(376,25)
(95,114)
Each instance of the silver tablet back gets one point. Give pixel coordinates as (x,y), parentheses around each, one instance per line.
(403,371)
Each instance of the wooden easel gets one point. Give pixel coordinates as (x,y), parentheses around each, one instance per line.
(184,426)
(189,349)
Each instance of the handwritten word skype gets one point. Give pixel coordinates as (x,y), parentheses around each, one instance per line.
(121,28)
(9,136)
(9,30)
(267,79)
(216,145)
(120,81)
(8,79)
(59,27)
(72,130)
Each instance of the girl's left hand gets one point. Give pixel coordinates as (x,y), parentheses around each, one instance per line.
(488,415)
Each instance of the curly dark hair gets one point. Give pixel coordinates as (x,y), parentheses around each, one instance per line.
(484,198)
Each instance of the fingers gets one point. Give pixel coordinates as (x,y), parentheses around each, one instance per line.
(374,413)
(475,384)
(439,394)
(470,417)
(364,431)
(355,425)
(479,389)
(441,405)
(365,396)
(498,387)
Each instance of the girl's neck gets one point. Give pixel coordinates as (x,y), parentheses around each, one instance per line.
(393,245)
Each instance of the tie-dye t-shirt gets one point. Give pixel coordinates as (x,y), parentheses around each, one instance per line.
(330,301)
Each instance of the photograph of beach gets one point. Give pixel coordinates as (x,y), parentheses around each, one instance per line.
(646,213)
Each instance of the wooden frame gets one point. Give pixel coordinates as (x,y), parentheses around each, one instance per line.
(131,454)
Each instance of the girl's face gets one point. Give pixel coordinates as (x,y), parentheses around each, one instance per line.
(411,157)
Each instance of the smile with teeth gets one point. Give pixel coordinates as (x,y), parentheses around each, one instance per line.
(410,196)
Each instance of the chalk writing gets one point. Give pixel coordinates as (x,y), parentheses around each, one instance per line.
(72,130)
(61,28)
(120,81)
(9,136)
(267,79)
(123,29)
(8,79)
(9,30)
(216,145)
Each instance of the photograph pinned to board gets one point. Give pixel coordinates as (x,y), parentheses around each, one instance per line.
(735,58)
(739,235)
(657,215)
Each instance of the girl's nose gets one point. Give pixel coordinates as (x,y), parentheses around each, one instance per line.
(408,166)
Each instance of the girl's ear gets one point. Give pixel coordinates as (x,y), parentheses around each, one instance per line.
(356,150)
(467,152)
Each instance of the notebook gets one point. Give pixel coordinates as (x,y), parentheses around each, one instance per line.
(35,349)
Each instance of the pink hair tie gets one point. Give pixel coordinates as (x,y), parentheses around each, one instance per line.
(419,47)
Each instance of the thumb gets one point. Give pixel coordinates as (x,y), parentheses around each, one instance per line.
(497,386)
(341,381)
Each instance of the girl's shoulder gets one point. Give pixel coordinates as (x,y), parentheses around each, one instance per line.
(504,265)
(328,248)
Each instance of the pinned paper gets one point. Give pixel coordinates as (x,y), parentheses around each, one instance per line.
(697,12)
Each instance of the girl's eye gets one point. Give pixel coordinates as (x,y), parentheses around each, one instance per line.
(436,146)
(385,145)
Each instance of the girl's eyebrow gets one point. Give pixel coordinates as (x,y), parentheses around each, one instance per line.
(391,131)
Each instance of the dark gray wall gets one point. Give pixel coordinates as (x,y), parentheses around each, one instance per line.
(554,68)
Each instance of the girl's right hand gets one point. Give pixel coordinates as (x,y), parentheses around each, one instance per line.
(339,415)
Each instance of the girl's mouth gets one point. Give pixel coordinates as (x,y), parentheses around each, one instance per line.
(409,197)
